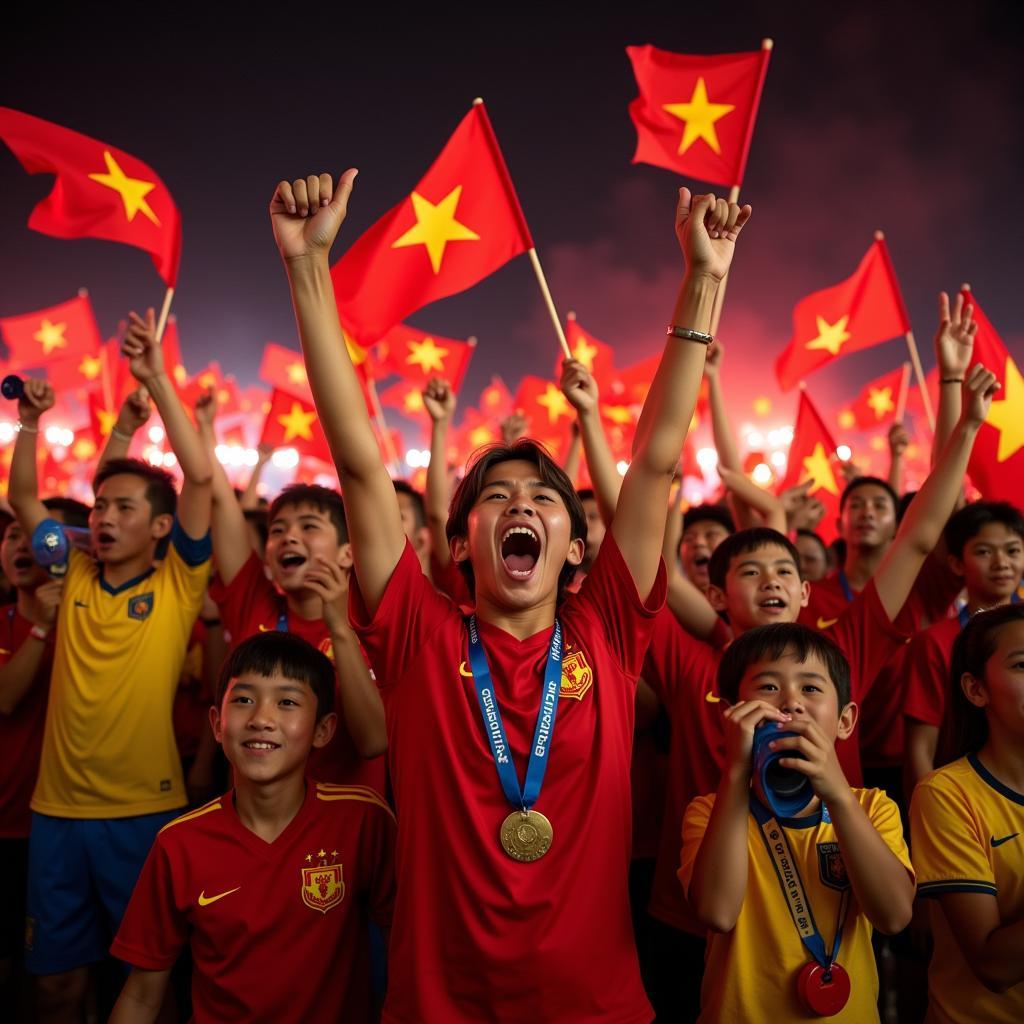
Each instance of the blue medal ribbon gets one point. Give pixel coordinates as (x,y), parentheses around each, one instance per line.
(282,622)
(845,584)
(525,798)
(793,891)
(965,616)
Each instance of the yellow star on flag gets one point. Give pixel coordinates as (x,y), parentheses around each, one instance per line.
(133,191)
(617,414)
(426,355)
(700,116)
(436,226)
(480,436)
(1007,415)
(413,401)
(297,423)
(180,375)
(584,353)
(296,373)
(847,420)
(831,337)
(51,336)
(880,401)
(762,406)
(84,449)
(819,469)
(208,379)
(555,402)
(107,421)
(356,352)
(90,367)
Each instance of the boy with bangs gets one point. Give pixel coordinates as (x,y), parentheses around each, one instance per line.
(110,775)
(811,886)
(309,560)
(279,866)
(985,548)
(506,895)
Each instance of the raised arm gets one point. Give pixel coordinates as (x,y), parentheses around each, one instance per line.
(18,675)
(132,417)
(707,229)
(768,507)
(926,517)
(146,362)
(899,439)
(440,401)
(954,346)
(306,215)
(571,462)
(23,487)
(250,498)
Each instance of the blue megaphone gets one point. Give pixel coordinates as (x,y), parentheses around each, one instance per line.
(52,542)
(12,386)
(787,791)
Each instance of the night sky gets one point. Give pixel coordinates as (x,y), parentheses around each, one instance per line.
(873,117)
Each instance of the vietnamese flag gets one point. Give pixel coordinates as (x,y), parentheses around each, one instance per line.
(283,369)
(879,401)
(102,418)
(292,423)
(405,396)
(171,345)
(418,357)
(864,310)
(596,356)
(997,461)
(65,331)
(496,399)
(695,114)
(100,191)
(811,454)
(459,224)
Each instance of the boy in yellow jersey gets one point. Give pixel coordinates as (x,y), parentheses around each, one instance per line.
(967,825)
(109,775)
(787,866)
(273,885)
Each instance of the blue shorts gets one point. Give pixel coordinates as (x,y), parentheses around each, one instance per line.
(81,873)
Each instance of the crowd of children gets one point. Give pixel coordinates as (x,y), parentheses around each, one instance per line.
(483,754)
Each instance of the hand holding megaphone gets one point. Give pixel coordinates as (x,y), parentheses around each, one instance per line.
(34,397)
(12,386)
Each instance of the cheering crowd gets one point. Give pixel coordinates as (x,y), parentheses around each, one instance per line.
(487,755)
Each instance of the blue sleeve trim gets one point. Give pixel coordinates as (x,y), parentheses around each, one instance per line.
(192,552)
(928,889)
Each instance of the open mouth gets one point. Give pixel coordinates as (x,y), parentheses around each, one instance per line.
(520,549)
(104,538)
(292,561)
(260,745)
(701,561)
(773,604)
(23,563)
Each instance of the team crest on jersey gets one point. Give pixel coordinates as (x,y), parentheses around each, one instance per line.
(577,676)
(323,887)
(831,868)
(140,606)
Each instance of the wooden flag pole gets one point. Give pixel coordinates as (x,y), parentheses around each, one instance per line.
(382,426)
(901,400)
(919,374)
(165,310)
(549,302)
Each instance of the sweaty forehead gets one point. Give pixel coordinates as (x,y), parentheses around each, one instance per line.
(123,485)
(286,513)
(513,471)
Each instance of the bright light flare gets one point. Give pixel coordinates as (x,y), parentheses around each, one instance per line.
(762,474)
(844,452)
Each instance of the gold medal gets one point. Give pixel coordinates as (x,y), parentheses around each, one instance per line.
(526,835)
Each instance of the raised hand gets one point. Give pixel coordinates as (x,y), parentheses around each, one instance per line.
(306,214)
(741,719)
(899,440)
(329,582)
(36,399)
(206,408)
(513,427)
(578,386)
(48,599)
(145,357)
(954,339)
(819,762)
(439,399)
(713,362)
(980,387)
(134,412)
(707,228)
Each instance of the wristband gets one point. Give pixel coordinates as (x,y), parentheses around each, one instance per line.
(687,334)
(39,633)
(27,430)
(951,380)
(120,433)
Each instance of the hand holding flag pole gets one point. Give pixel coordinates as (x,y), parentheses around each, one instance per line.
(901,400)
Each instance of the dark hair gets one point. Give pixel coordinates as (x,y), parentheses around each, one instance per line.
(969,521)
(74,513)
(586,494)
(550,474)
(708,513)
(419,509)
(160,492)
(257,517)
(904,503)
(323,499)
(769,643)
(965,726)
(867,481)
(742,543)
(285,654)
(838,549)
(813,536)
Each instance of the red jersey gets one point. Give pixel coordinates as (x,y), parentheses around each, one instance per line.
(450,581)
(21,732)
(278,931)
(927,672)
(252,604)
(478,936)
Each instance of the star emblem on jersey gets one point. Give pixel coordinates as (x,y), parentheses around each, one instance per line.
(323,884)
(140,606)
(831,868)
(577,676)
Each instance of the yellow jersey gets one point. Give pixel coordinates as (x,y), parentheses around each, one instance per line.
(967,834)
(108,743)
(750,972)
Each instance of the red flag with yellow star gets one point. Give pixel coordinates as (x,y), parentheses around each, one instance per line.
(283,369)
(695,114)
(812,457)
(100,191)
(102,417)
(547,411)
(864,310)
(417,357)
(292,423)
(459,224)
(406,396)
(876,405)
(997,461)
(596,356)
(65,331)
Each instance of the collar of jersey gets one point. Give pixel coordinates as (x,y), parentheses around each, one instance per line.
(128,584)
(986,776)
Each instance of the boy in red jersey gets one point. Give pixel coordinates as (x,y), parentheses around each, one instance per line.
(279,856)
(504,915)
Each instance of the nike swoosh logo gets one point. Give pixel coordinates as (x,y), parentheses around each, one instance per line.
(711,698)
(205,901)
(463,671)
(1005,839)
(80,604)
(825,623)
